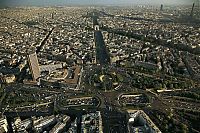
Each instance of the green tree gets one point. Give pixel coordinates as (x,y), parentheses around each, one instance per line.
(184,128)
(171,86)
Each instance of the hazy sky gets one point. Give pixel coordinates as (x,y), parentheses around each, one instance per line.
(88,2)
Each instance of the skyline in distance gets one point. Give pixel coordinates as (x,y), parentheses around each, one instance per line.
(11,3)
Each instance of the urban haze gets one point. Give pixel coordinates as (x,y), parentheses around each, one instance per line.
(11,3)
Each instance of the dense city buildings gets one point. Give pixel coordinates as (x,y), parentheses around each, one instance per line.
(140,122)
(100,69)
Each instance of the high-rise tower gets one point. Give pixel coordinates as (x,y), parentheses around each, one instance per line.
(192,11)
(34,65)
(161,7)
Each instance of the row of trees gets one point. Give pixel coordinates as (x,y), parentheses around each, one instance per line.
(189,95)
(144,82)
(167,123)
